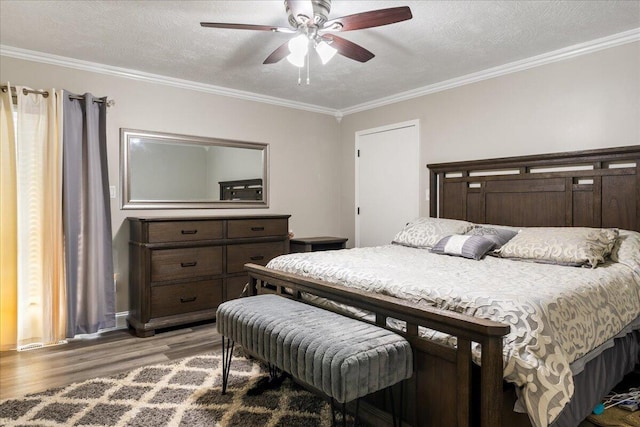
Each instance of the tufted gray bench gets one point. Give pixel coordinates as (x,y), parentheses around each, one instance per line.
(344,358)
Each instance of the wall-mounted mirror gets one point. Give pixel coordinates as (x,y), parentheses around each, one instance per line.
(167,171)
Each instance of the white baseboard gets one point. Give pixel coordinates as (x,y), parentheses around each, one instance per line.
(121,320)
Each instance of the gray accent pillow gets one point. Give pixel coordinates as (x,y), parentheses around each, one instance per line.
(472,247)
(426,231)
(499,236)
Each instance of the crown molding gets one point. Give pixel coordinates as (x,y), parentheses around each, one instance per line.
(95,67)
(512,67)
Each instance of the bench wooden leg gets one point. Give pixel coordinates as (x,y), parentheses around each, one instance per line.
(227,355)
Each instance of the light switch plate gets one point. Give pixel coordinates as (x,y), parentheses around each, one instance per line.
(112,191)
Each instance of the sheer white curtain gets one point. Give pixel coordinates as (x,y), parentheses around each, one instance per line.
(40,285)
(8,226)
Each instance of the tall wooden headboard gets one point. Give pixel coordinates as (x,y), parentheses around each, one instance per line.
(591,188)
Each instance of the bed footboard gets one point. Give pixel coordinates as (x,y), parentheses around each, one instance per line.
(440,393)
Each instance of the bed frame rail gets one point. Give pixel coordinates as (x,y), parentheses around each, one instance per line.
(433,361)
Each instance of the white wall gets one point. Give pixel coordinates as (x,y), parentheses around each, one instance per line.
(590,101)
(304,146)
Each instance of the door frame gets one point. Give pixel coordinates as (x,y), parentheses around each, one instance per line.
(359,135)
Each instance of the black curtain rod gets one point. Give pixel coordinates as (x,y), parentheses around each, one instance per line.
(45,94)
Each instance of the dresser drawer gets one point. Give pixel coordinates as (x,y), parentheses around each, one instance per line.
(182,298)
(171,264)
(184,231)
(238,228)
(257,253)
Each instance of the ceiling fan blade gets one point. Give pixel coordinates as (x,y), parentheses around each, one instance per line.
(247,27)
(278,54)
(349,49)
(374,18)
(299,7)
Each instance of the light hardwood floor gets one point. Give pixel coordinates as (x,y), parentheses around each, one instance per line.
(116,351)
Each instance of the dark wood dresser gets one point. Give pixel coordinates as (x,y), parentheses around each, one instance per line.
(181,269)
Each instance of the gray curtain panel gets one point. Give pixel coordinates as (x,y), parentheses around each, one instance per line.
(87,217)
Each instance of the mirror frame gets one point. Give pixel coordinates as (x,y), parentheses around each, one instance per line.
(125,167)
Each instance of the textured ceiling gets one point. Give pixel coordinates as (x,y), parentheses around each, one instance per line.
(444,40)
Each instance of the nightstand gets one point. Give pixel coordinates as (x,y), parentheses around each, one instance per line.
(313,244)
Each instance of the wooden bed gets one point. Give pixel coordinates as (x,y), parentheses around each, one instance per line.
(537,192)
(595,188)
(241,189)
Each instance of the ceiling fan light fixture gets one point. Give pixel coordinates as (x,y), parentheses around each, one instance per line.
(308,19)
(296,59)
(325,51)
(299,45)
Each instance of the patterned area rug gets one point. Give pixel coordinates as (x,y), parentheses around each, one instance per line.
(183,393)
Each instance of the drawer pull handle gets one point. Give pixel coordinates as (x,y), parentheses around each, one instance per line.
(189,231)
(257,257)
(190,299)
(257,228)
(188,264)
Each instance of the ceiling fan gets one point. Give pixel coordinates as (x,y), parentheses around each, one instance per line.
(309,19)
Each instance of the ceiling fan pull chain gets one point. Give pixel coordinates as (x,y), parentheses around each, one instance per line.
(308,66)
(299,76)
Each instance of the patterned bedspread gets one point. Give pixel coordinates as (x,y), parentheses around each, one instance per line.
(557,313)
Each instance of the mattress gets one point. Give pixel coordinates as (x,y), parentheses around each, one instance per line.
(558,314)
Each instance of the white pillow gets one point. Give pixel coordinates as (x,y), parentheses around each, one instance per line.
(627,250)
(561,245)
(425,232)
